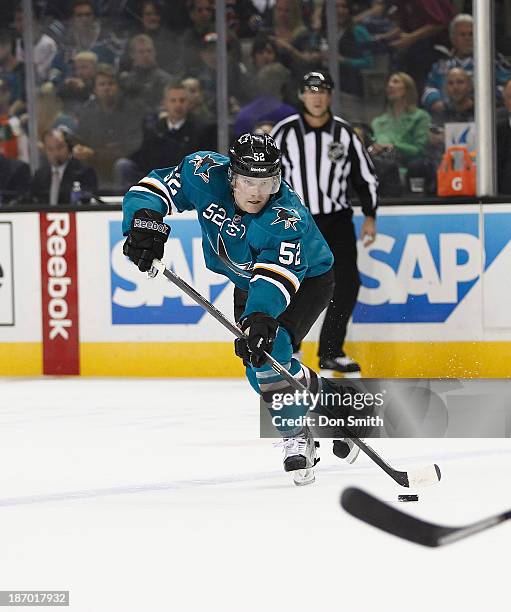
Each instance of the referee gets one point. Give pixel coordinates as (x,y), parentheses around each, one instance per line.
(321,155)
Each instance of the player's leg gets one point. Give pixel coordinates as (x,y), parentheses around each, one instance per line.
(340,235)
(298,445)
(304,309)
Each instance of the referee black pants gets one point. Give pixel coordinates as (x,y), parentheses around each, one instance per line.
(312,297)
(339,232)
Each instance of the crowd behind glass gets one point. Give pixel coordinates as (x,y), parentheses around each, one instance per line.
(127,86)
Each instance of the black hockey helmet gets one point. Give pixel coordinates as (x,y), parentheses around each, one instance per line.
(316,81)
(255,155)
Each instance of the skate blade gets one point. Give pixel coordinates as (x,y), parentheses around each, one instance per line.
(304,477)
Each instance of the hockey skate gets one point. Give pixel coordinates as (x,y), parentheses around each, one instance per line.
(346,449)
(300,457)
(343,365)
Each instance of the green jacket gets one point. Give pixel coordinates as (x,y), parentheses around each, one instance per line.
(409,133)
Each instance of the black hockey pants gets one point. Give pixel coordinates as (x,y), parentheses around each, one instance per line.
(307,304)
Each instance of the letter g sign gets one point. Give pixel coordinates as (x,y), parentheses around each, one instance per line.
(457,183)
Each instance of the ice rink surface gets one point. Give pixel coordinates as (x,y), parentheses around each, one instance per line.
(157,495)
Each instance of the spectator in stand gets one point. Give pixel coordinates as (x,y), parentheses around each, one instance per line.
(109,127)
(201,15)
(461,56)
(504,145)
(146,80)
(402,132)
(298,47)
(86,33)
(174,136)
(458,108)
(50,112)
(77,88)
(387,171)
(422,24)
(264,53)
(168,49)
(459,98)
(13,143)
(53,181)
(12,72)
(14,180)
(198,107)
(206,73)
(44,50)
(353,56)
(272,81)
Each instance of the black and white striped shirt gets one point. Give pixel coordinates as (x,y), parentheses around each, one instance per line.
(319,163)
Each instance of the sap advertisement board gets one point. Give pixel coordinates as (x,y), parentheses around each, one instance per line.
(434,273)
(437,279)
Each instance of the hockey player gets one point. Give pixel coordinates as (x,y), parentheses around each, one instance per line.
(256,232)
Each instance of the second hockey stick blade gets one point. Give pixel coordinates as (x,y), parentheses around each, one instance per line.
(379,514)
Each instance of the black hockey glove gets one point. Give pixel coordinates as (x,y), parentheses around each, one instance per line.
(146,239)
(261,330)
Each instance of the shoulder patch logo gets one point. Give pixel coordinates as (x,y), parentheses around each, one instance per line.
(336,150)
(203,165)
(288,217)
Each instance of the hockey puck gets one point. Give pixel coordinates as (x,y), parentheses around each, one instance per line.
(407,498)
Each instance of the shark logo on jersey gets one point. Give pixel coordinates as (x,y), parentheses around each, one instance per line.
(241,269)
(203,165)
(288,217)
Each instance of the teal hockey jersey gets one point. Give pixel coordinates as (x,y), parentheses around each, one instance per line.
(267,254)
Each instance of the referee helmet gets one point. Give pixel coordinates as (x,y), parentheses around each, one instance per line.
(316,81)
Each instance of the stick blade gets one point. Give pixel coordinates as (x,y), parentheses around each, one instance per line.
(377,513)
(424,477)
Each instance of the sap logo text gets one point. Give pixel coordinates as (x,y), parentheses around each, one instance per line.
(138,299)
(414,276)
(58,281)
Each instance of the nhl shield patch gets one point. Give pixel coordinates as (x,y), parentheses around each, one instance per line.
(335,151)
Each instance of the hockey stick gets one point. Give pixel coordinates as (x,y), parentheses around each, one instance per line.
(420,477)
(377,513)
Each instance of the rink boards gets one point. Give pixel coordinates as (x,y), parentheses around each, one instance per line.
(435,298)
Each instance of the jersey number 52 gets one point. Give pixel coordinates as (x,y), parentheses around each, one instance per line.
(289,253)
